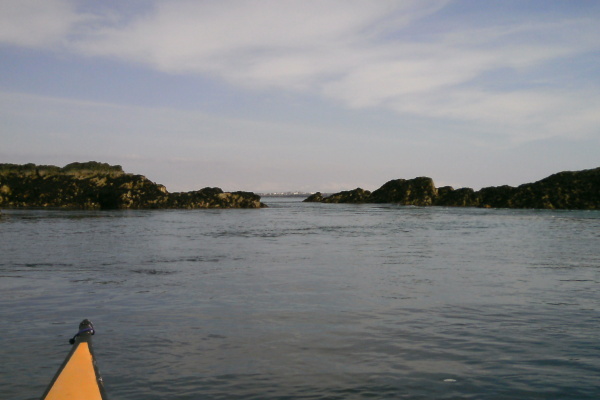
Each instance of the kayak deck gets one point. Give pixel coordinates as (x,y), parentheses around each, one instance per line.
(78,376)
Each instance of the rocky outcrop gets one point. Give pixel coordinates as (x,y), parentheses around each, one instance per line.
(95,185)
(417,192)
(413,192)
(314,198)
(579,190)
(214,198)
(448,196)
(357,195)
(76,169)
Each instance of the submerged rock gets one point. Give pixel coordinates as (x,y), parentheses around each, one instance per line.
(95,185)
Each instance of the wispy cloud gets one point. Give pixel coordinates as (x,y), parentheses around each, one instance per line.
(395,55)
(273,42)
(38,23)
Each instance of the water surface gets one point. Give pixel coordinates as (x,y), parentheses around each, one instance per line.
(306,301)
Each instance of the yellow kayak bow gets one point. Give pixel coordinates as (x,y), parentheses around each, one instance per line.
(78,377)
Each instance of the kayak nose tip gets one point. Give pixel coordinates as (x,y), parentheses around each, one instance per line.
(85,322)
(85,327)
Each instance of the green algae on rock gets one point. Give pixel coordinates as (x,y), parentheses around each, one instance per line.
(94,185)
(575,190)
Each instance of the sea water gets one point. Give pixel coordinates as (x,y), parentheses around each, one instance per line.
(306,301)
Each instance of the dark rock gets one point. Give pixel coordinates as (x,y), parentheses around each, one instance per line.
(92,168)
(214,198)
(464,197)
(414,192)
(577,190)
(496,196)
(314,198)
(101,186)
(356,196)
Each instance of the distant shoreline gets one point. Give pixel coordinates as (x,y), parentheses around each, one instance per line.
(286,194)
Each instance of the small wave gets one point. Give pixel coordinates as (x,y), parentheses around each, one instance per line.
(43,265)
(202,259)
(152,272)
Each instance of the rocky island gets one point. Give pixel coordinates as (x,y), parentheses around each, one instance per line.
(575,190)
(94,185)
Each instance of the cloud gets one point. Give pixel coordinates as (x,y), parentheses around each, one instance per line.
(268,43)
(401,56)
(37,23)
(320,41)
(456,76)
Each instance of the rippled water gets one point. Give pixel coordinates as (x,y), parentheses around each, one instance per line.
(306,301)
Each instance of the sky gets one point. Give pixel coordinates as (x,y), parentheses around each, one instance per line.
(303,95)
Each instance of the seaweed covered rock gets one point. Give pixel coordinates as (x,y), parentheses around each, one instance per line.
(129,191)
(314,198)
(76,169)
(91,168)
(414,192)
(464,197)
(357,195)
(214,198)
(576,190)
(95,185)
